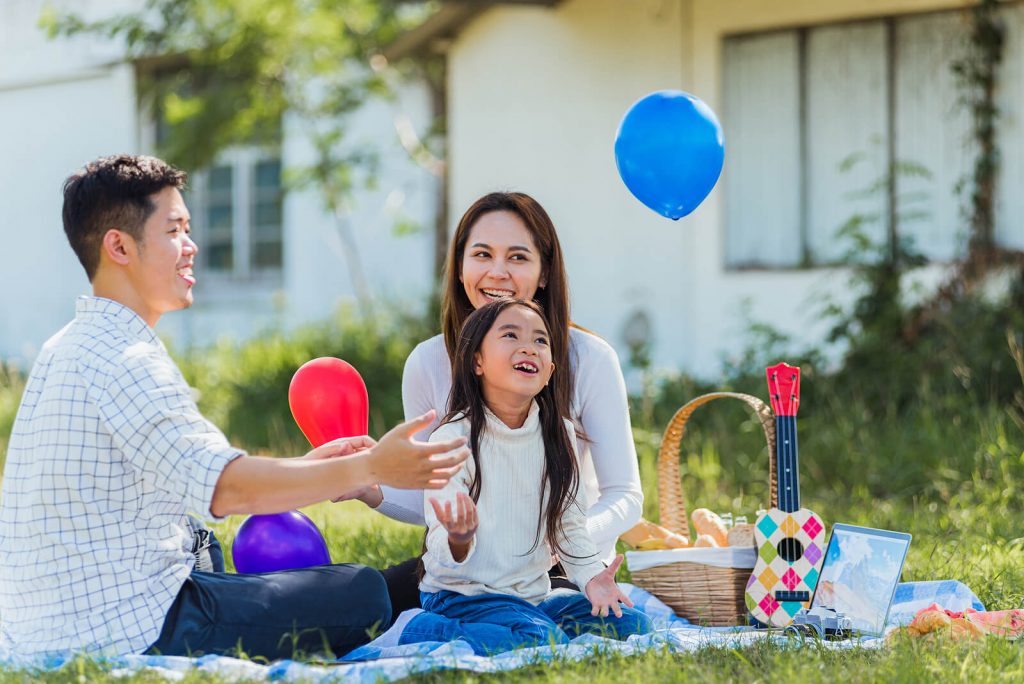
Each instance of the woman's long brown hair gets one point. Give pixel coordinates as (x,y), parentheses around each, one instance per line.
(553,297)
(561,472)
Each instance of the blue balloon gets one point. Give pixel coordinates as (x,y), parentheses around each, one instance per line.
(669,151)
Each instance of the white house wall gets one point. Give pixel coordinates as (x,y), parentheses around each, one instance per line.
(399,268)
(1010,198)
(60,105)
(315,278)
(536,95)
(535,98)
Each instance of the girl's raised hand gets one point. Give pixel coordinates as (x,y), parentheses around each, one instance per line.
(460,523)
(604,593)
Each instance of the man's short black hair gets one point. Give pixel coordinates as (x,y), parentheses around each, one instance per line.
(113,192)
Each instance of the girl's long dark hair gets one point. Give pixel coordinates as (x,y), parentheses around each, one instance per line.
(561,471)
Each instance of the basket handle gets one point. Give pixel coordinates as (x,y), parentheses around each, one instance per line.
(671,504)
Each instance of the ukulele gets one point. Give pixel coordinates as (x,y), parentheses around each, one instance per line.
(790,540)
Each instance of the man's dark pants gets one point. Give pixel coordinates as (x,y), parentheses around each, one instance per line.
(324,610)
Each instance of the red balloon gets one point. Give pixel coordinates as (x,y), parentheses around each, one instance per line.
(328,400)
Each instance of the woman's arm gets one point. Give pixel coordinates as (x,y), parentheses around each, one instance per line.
(604,417)
(406,505)
(575,549)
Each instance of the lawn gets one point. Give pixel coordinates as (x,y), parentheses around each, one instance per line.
(950,472)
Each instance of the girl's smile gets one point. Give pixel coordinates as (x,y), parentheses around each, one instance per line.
(514,361)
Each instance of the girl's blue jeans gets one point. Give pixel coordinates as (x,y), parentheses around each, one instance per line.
(492,623)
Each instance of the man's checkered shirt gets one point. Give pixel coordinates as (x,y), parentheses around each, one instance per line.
(107,454)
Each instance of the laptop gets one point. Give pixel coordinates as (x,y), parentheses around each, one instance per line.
(859,575)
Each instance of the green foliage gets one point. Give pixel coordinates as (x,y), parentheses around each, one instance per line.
(977,74)
(243,387)
(225,72)
(12,384)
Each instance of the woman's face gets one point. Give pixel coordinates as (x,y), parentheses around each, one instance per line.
(500,260)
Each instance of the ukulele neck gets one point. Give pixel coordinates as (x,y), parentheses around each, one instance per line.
(787,465)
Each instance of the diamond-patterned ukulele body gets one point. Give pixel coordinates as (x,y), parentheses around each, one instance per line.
(772,573)
(790,540)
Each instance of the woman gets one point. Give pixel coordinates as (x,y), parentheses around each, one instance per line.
(505,246)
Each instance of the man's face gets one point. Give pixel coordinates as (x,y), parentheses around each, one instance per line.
(161,271)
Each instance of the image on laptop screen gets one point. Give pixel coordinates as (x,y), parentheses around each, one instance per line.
(859,575)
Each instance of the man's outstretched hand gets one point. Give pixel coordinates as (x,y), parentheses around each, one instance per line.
(347,446)
(399,460)
(604,593)
(260,484)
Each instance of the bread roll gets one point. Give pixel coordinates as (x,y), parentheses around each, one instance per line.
(705,541)
(646,536)
(707,522)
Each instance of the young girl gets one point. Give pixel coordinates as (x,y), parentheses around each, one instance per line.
(492,530)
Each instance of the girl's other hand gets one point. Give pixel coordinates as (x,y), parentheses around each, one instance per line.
(460,523)
(347,446)
(344,446)
(604,593)
(372,496)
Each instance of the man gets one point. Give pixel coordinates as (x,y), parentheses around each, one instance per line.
(109,453)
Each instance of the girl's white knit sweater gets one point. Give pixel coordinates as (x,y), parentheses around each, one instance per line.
(505,556)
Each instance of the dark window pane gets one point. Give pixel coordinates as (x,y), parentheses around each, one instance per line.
(218,219)
(267,218)
(218,256)
(267,213)
(219,179)
(266,255)
(269,233)
(268,174)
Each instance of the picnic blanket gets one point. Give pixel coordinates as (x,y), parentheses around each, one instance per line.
(374,663)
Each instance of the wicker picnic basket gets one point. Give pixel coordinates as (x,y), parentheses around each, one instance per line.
(703,594)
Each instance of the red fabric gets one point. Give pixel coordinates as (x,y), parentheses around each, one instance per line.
(968,624)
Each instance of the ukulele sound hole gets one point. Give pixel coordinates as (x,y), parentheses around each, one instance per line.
(790,549)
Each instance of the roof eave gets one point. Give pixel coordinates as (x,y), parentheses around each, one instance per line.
(433,34)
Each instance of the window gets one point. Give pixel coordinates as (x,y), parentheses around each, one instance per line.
(237,214)
(816,117)
(236,204)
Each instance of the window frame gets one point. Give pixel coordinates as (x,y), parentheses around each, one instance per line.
(891,224)
(242,161)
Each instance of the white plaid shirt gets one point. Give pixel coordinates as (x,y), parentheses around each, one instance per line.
(107,454)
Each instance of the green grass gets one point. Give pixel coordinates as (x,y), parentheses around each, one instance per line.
(949,471)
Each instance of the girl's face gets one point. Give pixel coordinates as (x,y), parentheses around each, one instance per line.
(514,360)
(500,260)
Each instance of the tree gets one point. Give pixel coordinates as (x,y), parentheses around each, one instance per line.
(226,72)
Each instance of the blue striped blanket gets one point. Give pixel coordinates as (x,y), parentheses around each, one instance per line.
(374,663)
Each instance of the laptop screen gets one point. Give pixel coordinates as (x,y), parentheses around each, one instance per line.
(859,575)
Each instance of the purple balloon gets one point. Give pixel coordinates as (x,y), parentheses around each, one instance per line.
(281,541)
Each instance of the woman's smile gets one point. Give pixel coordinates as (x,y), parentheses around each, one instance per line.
(500,260)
